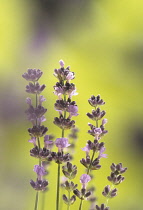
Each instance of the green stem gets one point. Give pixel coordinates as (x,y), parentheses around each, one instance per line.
(68,208)
(107,202)
(58,187)
(88,170)
(43,201)
(36,201)
(80,207)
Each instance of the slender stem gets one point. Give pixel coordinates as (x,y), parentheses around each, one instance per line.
(80,207)
(107,202)
(36,201)
(96,123)
(43,201)
(68,207)
(88,170)
(58,175)
(58,187)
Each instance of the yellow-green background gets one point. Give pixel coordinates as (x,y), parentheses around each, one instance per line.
(102,41)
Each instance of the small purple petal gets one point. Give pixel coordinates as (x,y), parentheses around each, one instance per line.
(101,155)
(104,121)
(62,143)
(72,109)
(29,101)
(33,140)
(86,149)
(41,99)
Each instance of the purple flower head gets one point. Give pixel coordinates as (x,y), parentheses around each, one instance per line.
(62,143)
(35,88)
(29,101)
(32,75)
(33,140)
(39,185)
(48,143)
(86,149)
(61,62)
(73,109)
(95,100)
(41,99)
(40,171)
(84,179)
(101,155)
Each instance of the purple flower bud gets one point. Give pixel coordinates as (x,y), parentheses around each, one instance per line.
(61,62)
(104,121)
(33,140)
(62,143)
(84,179)
(40,171)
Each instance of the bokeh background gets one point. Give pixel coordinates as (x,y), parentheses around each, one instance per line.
(102,41)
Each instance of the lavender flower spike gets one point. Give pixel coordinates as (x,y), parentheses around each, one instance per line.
(62,143)
(84,179)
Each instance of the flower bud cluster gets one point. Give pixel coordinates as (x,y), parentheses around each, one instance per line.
(102,207)
(115,178)
(83,193)
(65,90)
(40,184)
(70,172)
(90,162)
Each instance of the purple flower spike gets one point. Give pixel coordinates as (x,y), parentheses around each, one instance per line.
(33,140)
(62,143)
(40,171)
(84,179)
(73,109)
(61,62)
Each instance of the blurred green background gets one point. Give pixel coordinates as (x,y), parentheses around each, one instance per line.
(102,41)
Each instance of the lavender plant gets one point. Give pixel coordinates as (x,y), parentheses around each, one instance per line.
(36,116)
(94,149)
